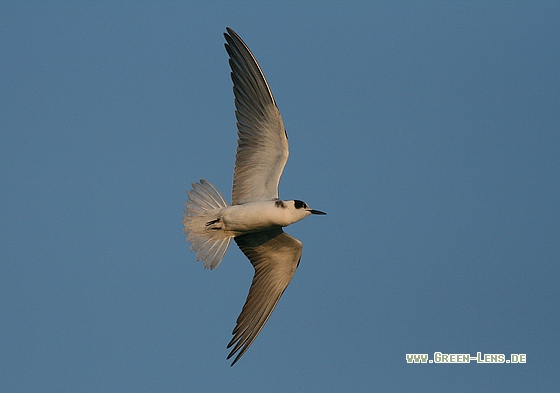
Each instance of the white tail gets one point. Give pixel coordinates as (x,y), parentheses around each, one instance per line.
(202,208)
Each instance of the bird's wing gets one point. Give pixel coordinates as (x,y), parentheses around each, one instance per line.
(262,145)
(275,256)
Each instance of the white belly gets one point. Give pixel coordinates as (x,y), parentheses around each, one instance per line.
(254,216)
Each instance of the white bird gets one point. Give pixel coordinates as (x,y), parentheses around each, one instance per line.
(256,216)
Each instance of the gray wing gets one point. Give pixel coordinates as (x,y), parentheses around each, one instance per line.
(275,256)
(262,145)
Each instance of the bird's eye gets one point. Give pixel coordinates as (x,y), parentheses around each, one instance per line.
(300,204)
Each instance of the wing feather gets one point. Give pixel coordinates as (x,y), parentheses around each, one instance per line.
(262,145)
(275,256)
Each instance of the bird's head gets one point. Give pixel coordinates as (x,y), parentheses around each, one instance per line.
(306,210)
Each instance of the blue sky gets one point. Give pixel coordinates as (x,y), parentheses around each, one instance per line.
(428,131)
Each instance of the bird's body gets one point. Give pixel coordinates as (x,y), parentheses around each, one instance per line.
(256,216)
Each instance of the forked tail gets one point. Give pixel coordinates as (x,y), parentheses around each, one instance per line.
(203,204)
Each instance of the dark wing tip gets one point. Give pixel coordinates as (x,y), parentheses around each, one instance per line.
(236,358)
(229,34)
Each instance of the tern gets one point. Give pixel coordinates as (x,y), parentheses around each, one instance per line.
(256,215)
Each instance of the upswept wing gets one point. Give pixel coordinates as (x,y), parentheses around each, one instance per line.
(262,145)
(275,256)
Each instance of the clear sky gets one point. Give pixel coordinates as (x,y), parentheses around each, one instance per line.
(428,131)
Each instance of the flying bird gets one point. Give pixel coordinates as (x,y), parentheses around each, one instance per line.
(256,215)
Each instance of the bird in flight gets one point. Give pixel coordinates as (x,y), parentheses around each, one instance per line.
(256,215)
